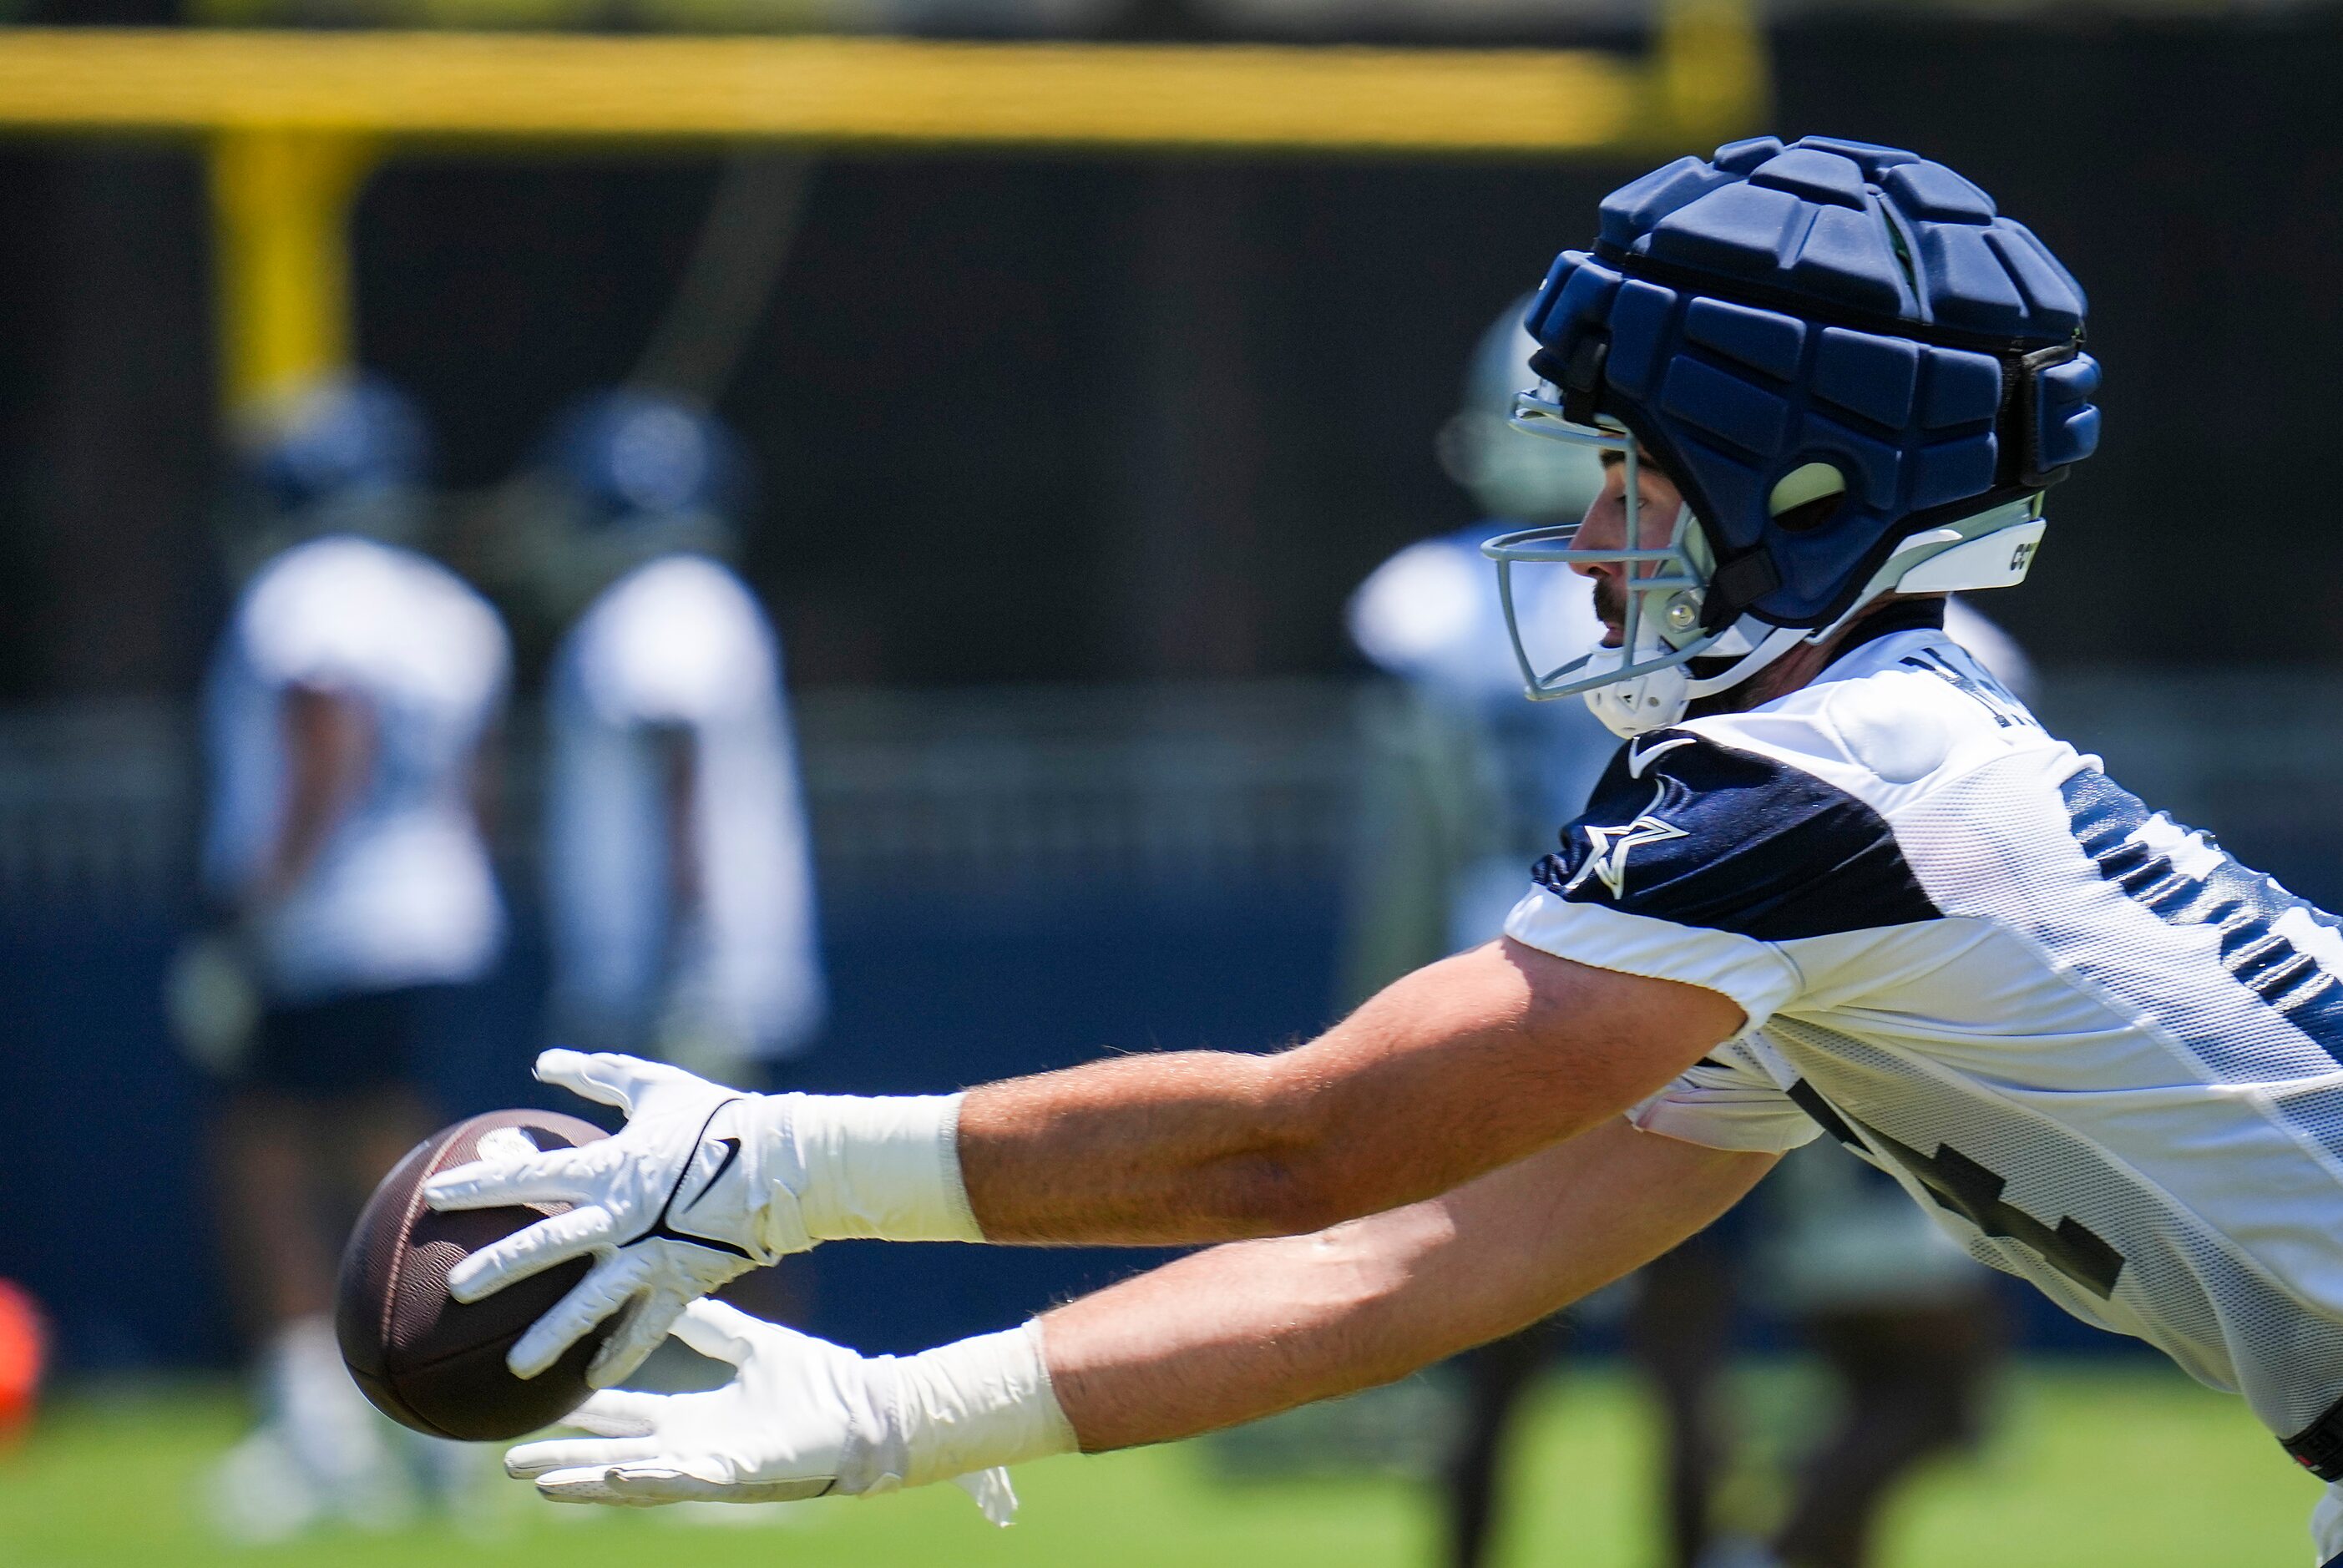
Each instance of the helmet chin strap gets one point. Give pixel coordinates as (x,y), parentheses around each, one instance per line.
(1654,701)
(1659,698)
(1992,550)
(1647,682)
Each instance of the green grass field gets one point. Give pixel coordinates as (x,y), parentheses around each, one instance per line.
(2089,1465)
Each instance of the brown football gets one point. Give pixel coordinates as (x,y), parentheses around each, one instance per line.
(425,1359)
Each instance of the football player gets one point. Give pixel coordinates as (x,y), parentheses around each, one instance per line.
(1463,784)
(678,874)
(1838,883)
(1466,781)
(346,717)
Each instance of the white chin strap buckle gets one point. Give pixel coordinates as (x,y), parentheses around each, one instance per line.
(1642,703)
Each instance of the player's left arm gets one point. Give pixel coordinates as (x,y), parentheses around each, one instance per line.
(1224,1336)
(1464,1067)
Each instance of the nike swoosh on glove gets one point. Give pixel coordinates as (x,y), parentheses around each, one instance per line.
(670,1204)
(803,1418)
(701,1185)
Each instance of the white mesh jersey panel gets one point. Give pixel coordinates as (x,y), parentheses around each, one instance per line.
(2114,1066)
(2188,1288)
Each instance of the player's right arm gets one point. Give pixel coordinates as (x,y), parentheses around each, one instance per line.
(328,741)
(1251,1328)
(1224,1336)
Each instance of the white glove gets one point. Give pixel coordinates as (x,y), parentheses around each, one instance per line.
(703,1184)
(805,1418)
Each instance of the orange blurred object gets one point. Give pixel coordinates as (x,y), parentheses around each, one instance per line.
(23,1346)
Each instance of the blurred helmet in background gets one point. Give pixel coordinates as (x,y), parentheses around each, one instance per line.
(341,456)
(622,478)
(1510,477)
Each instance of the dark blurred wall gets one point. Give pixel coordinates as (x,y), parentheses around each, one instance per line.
(106,421)
(2192,177)
(1074,418)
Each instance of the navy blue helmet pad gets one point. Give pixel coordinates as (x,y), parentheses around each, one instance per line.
(1826,302)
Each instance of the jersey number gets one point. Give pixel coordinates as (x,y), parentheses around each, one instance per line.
(1973,1192)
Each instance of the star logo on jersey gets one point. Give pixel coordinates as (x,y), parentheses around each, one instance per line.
(1610,848)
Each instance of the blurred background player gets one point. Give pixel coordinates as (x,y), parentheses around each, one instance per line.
(1465,784)
(679,875)
(347,719)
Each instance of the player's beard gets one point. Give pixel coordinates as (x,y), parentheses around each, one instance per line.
(1611,607)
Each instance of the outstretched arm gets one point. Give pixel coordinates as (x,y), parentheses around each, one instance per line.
(1246,1330)
(1461,1067)
(1458,1069)
(1226,1336)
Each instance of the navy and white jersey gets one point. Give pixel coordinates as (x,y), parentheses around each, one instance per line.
(401,892)
(678,648)
(2100,1052)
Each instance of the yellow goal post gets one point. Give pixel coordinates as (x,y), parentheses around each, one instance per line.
(294,120)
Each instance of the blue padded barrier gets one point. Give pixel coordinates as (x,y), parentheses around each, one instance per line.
(1723,406)
(2068,421)
(1933,191)
(1741,158)
(1816,176)
(1639,325)
(1633,209)
(1961,389)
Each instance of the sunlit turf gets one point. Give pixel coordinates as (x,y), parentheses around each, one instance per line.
(2116,1464)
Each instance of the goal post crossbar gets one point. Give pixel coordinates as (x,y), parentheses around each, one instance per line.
(291,121)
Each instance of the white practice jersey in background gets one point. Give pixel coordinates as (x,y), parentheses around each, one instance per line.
(678,650)
(1432,613)
(2102,1053)
(1432,616)
(401,892)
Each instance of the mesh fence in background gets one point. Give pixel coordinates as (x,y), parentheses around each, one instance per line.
(1161,785)
(1206,785)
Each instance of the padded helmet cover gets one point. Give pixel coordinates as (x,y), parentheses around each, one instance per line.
(1827,302)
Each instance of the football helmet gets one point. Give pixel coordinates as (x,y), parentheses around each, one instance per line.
(621,477)
(1859,374)
(1528,482)
(345,456)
